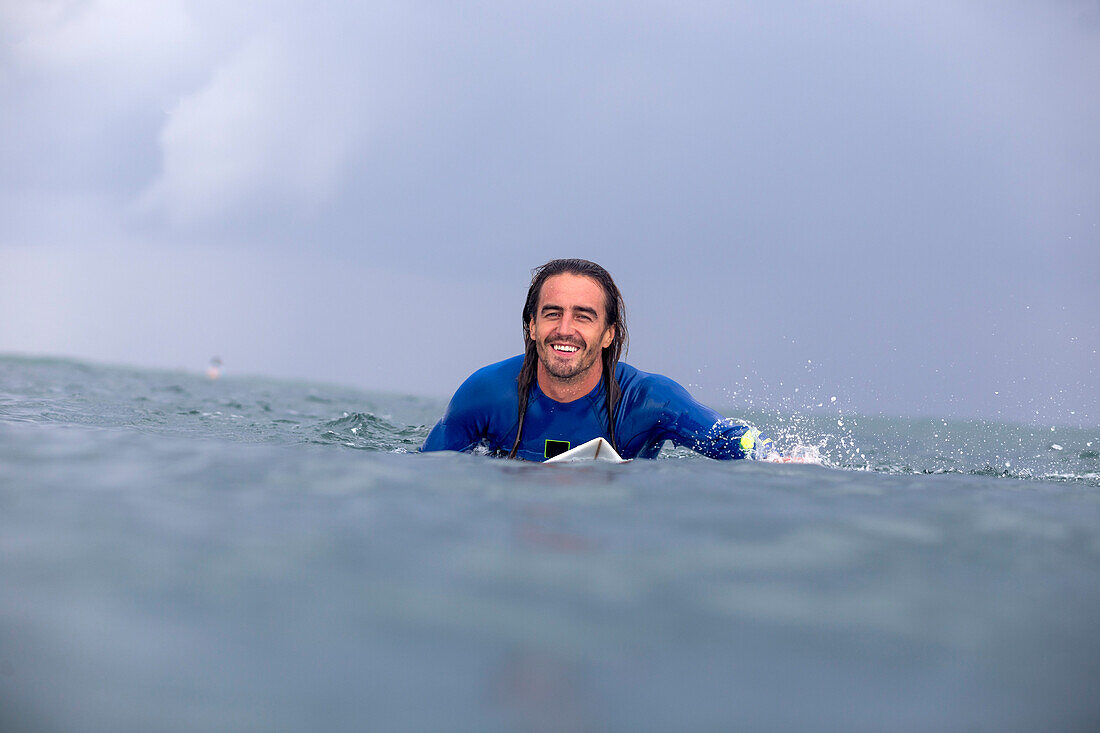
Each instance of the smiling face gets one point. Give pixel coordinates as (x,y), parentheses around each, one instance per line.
(570,331)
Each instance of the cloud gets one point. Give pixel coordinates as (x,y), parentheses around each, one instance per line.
(262,131)
(884,188)
(102,39)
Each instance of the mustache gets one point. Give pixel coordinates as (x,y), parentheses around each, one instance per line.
(571,341)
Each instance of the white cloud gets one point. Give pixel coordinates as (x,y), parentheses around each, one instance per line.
(879,157)
(262,130)
(130,38)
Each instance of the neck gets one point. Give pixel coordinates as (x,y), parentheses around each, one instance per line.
(567,390)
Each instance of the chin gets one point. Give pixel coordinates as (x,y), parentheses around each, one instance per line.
(565,376)
(554,371)
(568,373)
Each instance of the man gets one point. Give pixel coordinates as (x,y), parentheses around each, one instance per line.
(570,387)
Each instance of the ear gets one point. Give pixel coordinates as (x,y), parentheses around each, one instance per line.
(608,337)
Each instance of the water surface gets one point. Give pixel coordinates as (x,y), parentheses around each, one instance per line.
(180,554)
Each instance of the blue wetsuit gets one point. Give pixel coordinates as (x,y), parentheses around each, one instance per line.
(484,414)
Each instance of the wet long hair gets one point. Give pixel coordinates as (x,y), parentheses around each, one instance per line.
(616,316)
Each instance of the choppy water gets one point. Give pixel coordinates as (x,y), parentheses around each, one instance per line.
(248,554)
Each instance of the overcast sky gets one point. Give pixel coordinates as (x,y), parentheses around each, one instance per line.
(894,203)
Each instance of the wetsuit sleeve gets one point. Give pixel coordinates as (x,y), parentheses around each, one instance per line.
(465,421)
(693,425)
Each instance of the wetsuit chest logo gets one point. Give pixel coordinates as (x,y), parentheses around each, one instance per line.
(555,448)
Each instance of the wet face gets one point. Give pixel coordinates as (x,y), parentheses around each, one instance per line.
(570,328)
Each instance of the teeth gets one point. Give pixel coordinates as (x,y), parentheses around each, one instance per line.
(563,347)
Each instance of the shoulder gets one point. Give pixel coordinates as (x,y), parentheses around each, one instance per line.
(486,401)
(646,384)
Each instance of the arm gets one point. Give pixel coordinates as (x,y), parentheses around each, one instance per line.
(458,429)
(693,425)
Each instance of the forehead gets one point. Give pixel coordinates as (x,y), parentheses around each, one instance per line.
(568,291)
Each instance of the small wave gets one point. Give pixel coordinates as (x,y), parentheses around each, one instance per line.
(367,431)
(998,472)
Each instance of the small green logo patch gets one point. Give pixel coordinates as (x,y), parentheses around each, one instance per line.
(555,448)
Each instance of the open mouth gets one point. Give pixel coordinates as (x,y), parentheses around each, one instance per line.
(564,348)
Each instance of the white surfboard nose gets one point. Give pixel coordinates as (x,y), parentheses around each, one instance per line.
(596,449)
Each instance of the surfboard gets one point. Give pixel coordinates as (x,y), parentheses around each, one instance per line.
(596,449)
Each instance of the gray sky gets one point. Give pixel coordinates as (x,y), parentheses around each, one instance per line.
(894,203)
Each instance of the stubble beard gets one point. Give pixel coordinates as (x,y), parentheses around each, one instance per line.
(561,372)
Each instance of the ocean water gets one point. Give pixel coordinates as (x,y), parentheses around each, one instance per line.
(180,554)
